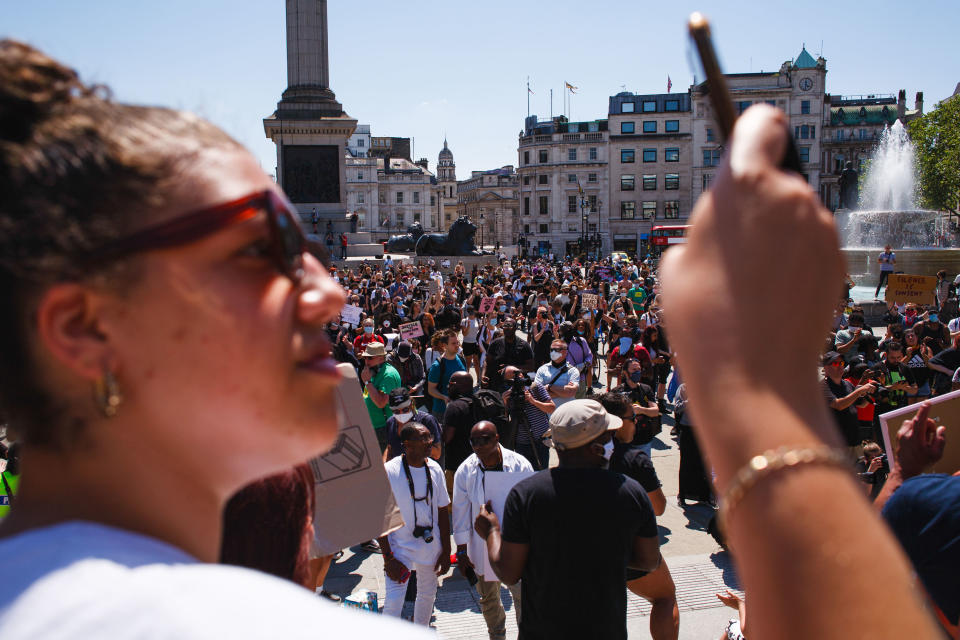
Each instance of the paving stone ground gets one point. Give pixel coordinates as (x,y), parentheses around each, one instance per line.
(700,570)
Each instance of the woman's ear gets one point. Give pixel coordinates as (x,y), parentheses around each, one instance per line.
(69,326)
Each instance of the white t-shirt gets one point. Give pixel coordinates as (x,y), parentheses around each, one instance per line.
(402,543)
(84,580)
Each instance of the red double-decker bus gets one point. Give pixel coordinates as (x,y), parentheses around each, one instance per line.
(662,236)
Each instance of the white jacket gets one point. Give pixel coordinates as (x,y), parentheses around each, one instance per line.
(468,497)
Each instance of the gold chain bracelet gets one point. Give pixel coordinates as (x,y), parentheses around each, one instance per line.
(769,463)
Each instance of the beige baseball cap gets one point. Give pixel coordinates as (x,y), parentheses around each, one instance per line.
(577,422)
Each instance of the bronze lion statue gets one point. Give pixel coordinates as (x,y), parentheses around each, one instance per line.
(458,241)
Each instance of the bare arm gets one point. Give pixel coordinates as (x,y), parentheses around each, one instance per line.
(658,500)
(378,397)
(721,270)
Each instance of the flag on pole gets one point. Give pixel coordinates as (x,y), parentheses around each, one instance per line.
(570,87)
(529,89)
(669,84)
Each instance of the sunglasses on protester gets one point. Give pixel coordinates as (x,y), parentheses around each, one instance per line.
(287,242)
(479,441)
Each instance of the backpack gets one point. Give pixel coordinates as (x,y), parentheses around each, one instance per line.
(488,405)
(443,369)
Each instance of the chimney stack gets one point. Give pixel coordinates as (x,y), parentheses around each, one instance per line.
(918,102)
(902,105)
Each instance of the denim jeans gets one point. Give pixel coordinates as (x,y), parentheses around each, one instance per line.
(543,453)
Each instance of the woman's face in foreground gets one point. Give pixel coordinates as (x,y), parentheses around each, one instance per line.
(221,359)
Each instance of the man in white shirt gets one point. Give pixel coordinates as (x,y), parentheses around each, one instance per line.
(422,544)
(559,378)
(469,494)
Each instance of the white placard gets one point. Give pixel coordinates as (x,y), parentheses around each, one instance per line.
(350,314)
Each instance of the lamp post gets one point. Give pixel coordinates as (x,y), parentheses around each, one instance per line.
(481,230)
(584,216)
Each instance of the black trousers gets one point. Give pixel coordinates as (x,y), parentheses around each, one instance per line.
(883,278)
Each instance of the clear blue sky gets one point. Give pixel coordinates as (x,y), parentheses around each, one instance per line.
(425,68)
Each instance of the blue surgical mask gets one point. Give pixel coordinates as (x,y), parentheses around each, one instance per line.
(934,317)
(503,308)
(493,322)
(636,376)
(368,330)
(579,331)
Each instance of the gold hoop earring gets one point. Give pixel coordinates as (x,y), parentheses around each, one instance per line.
(107,394)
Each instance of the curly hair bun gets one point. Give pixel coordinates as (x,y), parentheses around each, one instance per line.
(32,85)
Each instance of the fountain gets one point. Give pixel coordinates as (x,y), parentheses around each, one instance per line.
(887,214)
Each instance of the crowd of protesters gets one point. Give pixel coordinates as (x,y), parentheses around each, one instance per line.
(163,348)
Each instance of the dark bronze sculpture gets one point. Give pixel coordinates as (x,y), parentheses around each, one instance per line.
(406,243)
(849,187)
(458,241)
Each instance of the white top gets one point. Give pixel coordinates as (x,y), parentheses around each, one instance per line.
(470,327)
(83,580)
(468,497)
(404,546)
(545,375)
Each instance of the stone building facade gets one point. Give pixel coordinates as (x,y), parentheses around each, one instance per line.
(650,166)
(491,199)
(444,199)
(563,177)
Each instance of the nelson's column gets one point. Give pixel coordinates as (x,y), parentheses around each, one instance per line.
(309,126)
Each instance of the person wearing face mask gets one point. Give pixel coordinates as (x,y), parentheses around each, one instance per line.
(602,511)
(508,350)
(366,337)
(935,330)
(458,418)
(580,356)
(560,379)
(644,400)
(378,378)
(404,412)
(410,367)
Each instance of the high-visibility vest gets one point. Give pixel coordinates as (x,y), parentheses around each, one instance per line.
(8,491)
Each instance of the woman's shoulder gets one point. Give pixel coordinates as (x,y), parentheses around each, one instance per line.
(94,581)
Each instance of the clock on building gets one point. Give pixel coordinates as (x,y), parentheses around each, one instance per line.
(806,84)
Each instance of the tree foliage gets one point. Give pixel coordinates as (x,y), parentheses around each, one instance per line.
(936,136)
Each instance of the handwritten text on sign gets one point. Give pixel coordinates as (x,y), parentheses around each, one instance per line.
(410,330)
(906,288)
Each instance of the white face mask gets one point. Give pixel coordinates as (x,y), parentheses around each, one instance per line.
(608,450)
(555,355)
(386,323)
(403,417)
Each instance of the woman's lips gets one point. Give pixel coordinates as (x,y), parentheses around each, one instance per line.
(322,364)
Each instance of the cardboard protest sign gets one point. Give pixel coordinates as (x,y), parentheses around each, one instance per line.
(352,497)
(589,301)
(605,273)
(410,330)
(906,288)
(350,314)
(945,411)
(487,305)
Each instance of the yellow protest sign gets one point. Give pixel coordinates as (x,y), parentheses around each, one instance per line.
(906,288)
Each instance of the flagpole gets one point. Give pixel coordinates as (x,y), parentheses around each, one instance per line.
(528,96)
(551,105)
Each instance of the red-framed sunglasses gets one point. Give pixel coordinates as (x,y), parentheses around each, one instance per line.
(287,240)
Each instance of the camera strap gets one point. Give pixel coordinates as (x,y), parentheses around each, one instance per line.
(428,499)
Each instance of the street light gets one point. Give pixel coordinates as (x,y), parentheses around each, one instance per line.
(481,230)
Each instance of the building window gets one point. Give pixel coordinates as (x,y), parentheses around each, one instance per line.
(526,228)
(383,198)
(526,205)
(542,179)
(671,105)
(543,156)
(526,179)
(571,204)
(544,228)
(705,181)
(360,175)
(399,197)
(592,202)
(649,106)
(571,154)
(743,105)
(649,155)
(526,157)
(544,205)
(627,183)
(593,153)
(804,154)
(650,182)
(361,142)
(360,198)
(573,127)
(805,107)
(671,126)
(627,127)
(416,217)
(628,210)
(711,157)
(591,177)
(671,182)
(571,177)
(709,134)
(627,107)
(649,126)
(671,154)
(648,210)
(813,131)
(671,209)
(416,197)
(628,155)
(447,217)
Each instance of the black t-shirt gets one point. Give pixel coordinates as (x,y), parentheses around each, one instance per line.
(633,462)
(949,358)
(448,318)
(459,417)
(500,353)
(846,419)
(580,525)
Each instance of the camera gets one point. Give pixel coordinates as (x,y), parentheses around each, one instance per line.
(517,386)
(426,533)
